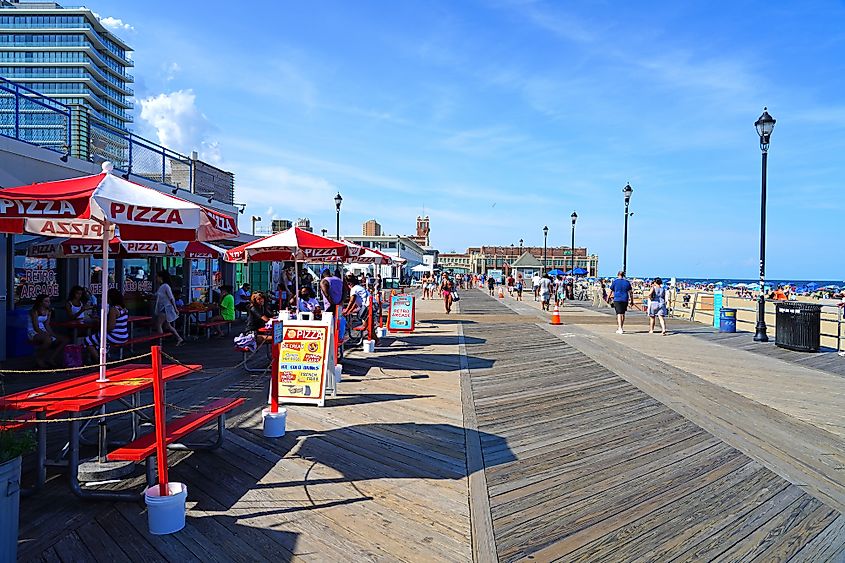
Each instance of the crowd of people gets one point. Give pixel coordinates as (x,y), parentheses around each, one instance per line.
(334,291)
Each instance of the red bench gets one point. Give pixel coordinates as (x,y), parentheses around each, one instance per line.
(208,325)
(140,340)
(144,448)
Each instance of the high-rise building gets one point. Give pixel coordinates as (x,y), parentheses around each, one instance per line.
(371,229)
(280,225)
(69,55)
(304,223)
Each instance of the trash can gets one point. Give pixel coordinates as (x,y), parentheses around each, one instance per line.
(17,340)
(727,320)
(798,326)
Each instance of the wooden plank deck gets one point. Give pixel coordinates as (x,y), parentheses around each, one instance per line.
(378,474)
(593,468)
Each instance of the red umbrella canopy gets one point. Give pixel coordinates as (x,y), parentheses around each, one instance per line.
(195,249)
(292,244)
(72,248)
(79,207)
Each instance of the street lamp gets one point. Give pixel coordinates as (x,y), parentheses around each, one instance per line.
(510,266)
(337,201)
(572,248)
(324,231)
(520,247)
(765,124)
(627,190)
(545,240)
(255,219)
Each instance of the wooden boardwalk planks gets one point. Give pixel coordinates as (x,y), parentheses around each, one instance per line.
(583,466)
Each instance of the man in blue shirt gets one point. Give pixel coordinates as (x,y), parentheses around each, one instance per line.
(622,295)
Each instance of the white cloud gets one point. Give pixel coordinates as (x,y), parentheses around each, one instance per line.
(170,70)
(116,24)
(180,125)
(282,188)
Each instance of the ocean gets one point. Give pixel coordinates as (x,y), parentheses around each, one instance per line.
(769,282)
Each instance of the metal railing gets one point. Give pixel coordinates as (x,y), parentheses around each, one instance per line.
(29,116)
(139,156)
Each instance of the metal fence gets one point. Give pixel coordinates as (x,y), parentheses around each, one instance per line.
(29,116)
(34,118)
(139,156)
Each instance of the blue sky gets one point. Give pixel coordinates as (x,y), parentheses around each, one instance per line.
(498,117)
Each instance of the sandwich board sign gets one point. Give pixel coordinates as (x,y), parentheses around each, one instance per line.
(401,316)
(304,356)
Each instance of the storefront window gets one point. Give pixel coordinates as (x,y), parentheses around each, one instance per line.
(34,276)
(95,277)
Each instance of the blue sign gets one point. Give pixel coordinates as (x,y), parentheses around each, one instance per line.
(402,313)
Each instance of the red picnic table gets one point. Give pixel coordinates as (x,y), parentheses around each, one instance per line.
(92,324)
(193,311)
(73,397)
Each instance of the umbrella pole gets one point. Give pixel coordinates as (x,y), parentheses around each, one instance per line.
(296,273)
(104,307)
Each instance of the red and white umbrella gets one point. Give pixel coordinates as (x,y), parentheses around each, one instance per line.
(198,250)
(292,244)
(368,255)
(95,206)
(78,248)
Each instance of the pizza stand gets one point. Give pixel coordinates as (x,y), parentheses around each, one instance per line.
(304,365)
(103,206)
(201,257)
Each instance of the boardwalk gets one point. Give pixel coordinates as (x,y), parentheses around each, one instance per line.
(596,469)
(489,435)
(379,474)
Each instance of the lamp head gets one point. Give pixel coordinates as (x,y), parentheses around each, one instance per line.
(337,201)
(545,231)
(627,190)
(765,124)
(574,218)
(256,218)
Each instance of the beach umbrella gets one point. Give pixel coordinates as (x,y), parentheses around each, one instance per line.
(197,250)
(102,206)
(294,244)
(556,272)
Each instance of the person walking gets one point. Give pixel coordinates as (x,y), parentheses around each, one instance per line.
(166,311)
(491,285)
(545,291)
(657,305)
(518,286)
(535,286)
(623,294)
(447,288)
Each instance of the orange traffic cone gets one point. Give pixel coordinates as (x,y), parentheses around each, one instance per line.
(556,316)
(501,293)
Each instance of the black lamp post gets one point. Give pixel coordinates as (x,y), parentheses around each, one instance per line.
(765,124)
(520,247)
(324,231)
(627,190)
(572,248)
(545,240)
(510,265)
(255,219)
(337,201)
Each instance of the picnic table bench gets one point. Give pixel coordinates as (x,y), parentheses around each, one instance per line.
(144,448)
(208,325)
(73,397)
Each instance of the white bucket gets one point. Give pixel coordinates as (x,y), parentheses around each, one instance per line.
(338,372)
(369,346)
(166,515)
(274,423)
(381,332)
